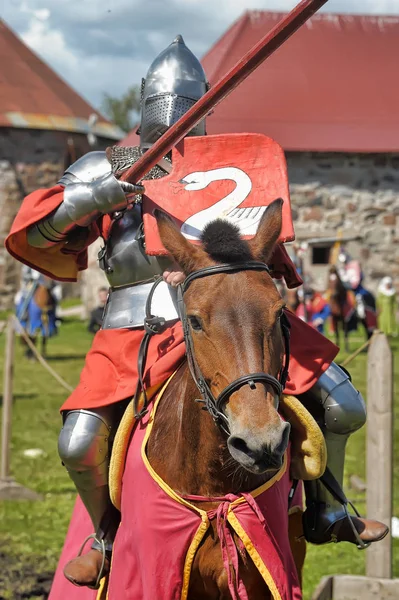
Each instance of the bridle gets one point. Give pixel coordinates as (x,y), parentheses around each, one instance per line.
(214,405)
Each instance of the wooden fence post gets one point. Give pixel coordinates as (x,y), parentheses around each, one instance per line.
(9,488)
(7,400)
(379,451)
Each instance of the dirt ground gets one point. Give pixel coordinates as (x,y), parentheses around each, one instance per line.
(19,581)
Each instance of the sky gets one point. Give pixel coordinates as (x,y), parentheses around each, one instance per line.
(102,46)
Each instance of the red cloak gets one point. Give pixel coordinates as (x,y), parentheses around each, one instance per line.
(110,371)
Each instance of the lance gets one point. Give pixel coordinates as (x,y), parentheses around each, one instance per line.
(250,61)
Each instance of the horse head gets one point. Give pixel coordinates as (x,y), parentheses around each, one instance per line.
(234,322)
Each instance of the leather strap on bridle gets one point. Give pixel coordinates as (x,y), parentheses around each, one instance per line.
(215,405)
(252,265)
(154,325)
(285,328)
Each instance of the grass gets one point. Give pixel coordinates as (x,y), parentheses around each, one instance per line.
(70,302)
(32,532)
(343,558)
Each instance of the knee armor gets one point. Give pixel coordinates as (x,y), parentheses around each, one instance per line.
(344,407)
(83,445)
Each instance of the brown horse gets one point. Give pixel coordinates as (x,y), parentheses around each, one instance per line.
(234,323)
(338,299)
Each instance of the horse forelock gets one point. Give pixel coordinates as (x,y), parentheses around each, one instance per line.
(222,242)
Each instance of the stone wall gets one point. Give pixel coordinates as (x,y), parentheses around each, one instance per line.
(332,194)
(350,195)
(29,159)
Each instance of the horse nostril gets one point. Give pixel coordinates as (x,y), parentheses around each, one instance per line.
(238,444)
(282,446)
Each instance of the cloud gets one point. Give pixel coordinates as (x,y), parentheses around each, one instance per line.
(107,46)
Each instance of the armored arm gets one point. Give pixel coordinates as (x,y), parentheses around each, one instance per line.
(91,190)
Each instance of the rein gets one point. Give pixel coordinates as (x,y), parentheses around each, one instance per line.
(214,405)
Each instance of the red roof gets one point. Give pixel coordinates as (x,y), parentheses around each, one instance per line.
(333,86)
(32,95)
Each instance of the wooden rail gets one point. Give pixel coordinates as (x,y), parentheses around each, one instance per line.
(7,400)
(9,488)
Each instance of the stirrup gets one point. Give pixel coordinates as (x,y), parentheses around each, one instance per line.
(332,485)
(100,575)
(360,544)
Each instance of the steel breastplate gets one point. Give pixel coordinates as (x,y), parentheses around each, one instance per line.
(130,273)
(123,258)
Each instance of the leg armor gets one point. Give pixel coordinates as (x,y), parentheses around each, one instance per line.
(340,410)
(84,447)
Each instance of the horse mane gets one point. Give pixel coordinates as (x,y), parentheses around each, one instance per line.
(222,242)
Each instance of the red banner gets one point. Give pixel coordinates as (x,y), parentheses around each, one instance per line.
(230,176)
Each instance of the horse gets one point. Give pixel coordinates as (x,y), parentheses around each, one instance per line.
(338,300)
(232,315)
(37,313)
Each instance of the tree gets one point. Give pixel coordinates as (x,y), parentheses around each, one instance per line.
(123,111)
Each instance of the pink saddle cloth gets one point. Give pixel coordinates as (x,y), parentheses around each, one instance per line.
(160,532)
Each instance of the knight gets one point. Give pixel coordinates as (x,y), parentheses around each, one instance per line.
(89,201)
(352,276)
(35,317)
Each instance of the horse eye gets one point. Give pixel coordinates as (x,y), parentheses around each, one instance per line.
(195,323)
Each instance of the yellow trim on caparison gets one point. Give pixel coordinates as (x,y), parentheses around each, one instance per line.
(168,490)
(103,587)
(253,553)
(203,527)
(204,517)
(162,484)
(188,562)
(266,486)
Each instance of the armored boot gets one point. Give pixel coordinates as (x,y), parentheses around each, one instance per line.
(340,410)
(84,447)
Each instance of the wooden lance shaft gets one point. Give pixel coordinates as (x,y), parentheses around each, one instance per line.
(245,66)
(7,401)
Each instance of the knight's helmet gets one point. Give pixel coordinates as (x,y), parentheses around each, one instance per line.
(174,83)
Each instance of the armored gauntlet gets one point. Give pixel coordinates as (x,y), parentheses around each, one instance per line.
(91,190)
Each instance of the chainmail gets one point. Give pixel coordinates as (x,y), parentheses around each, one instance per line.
(123,157)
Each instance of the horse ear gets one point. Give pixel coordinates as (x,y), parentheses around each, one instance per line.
(188,256)
(262,245)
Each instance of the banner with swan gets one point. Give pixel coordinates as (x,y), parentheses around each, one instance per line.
(229,176)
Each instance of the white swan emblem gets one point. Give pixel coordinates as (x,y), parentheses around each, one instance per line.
(246,219)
